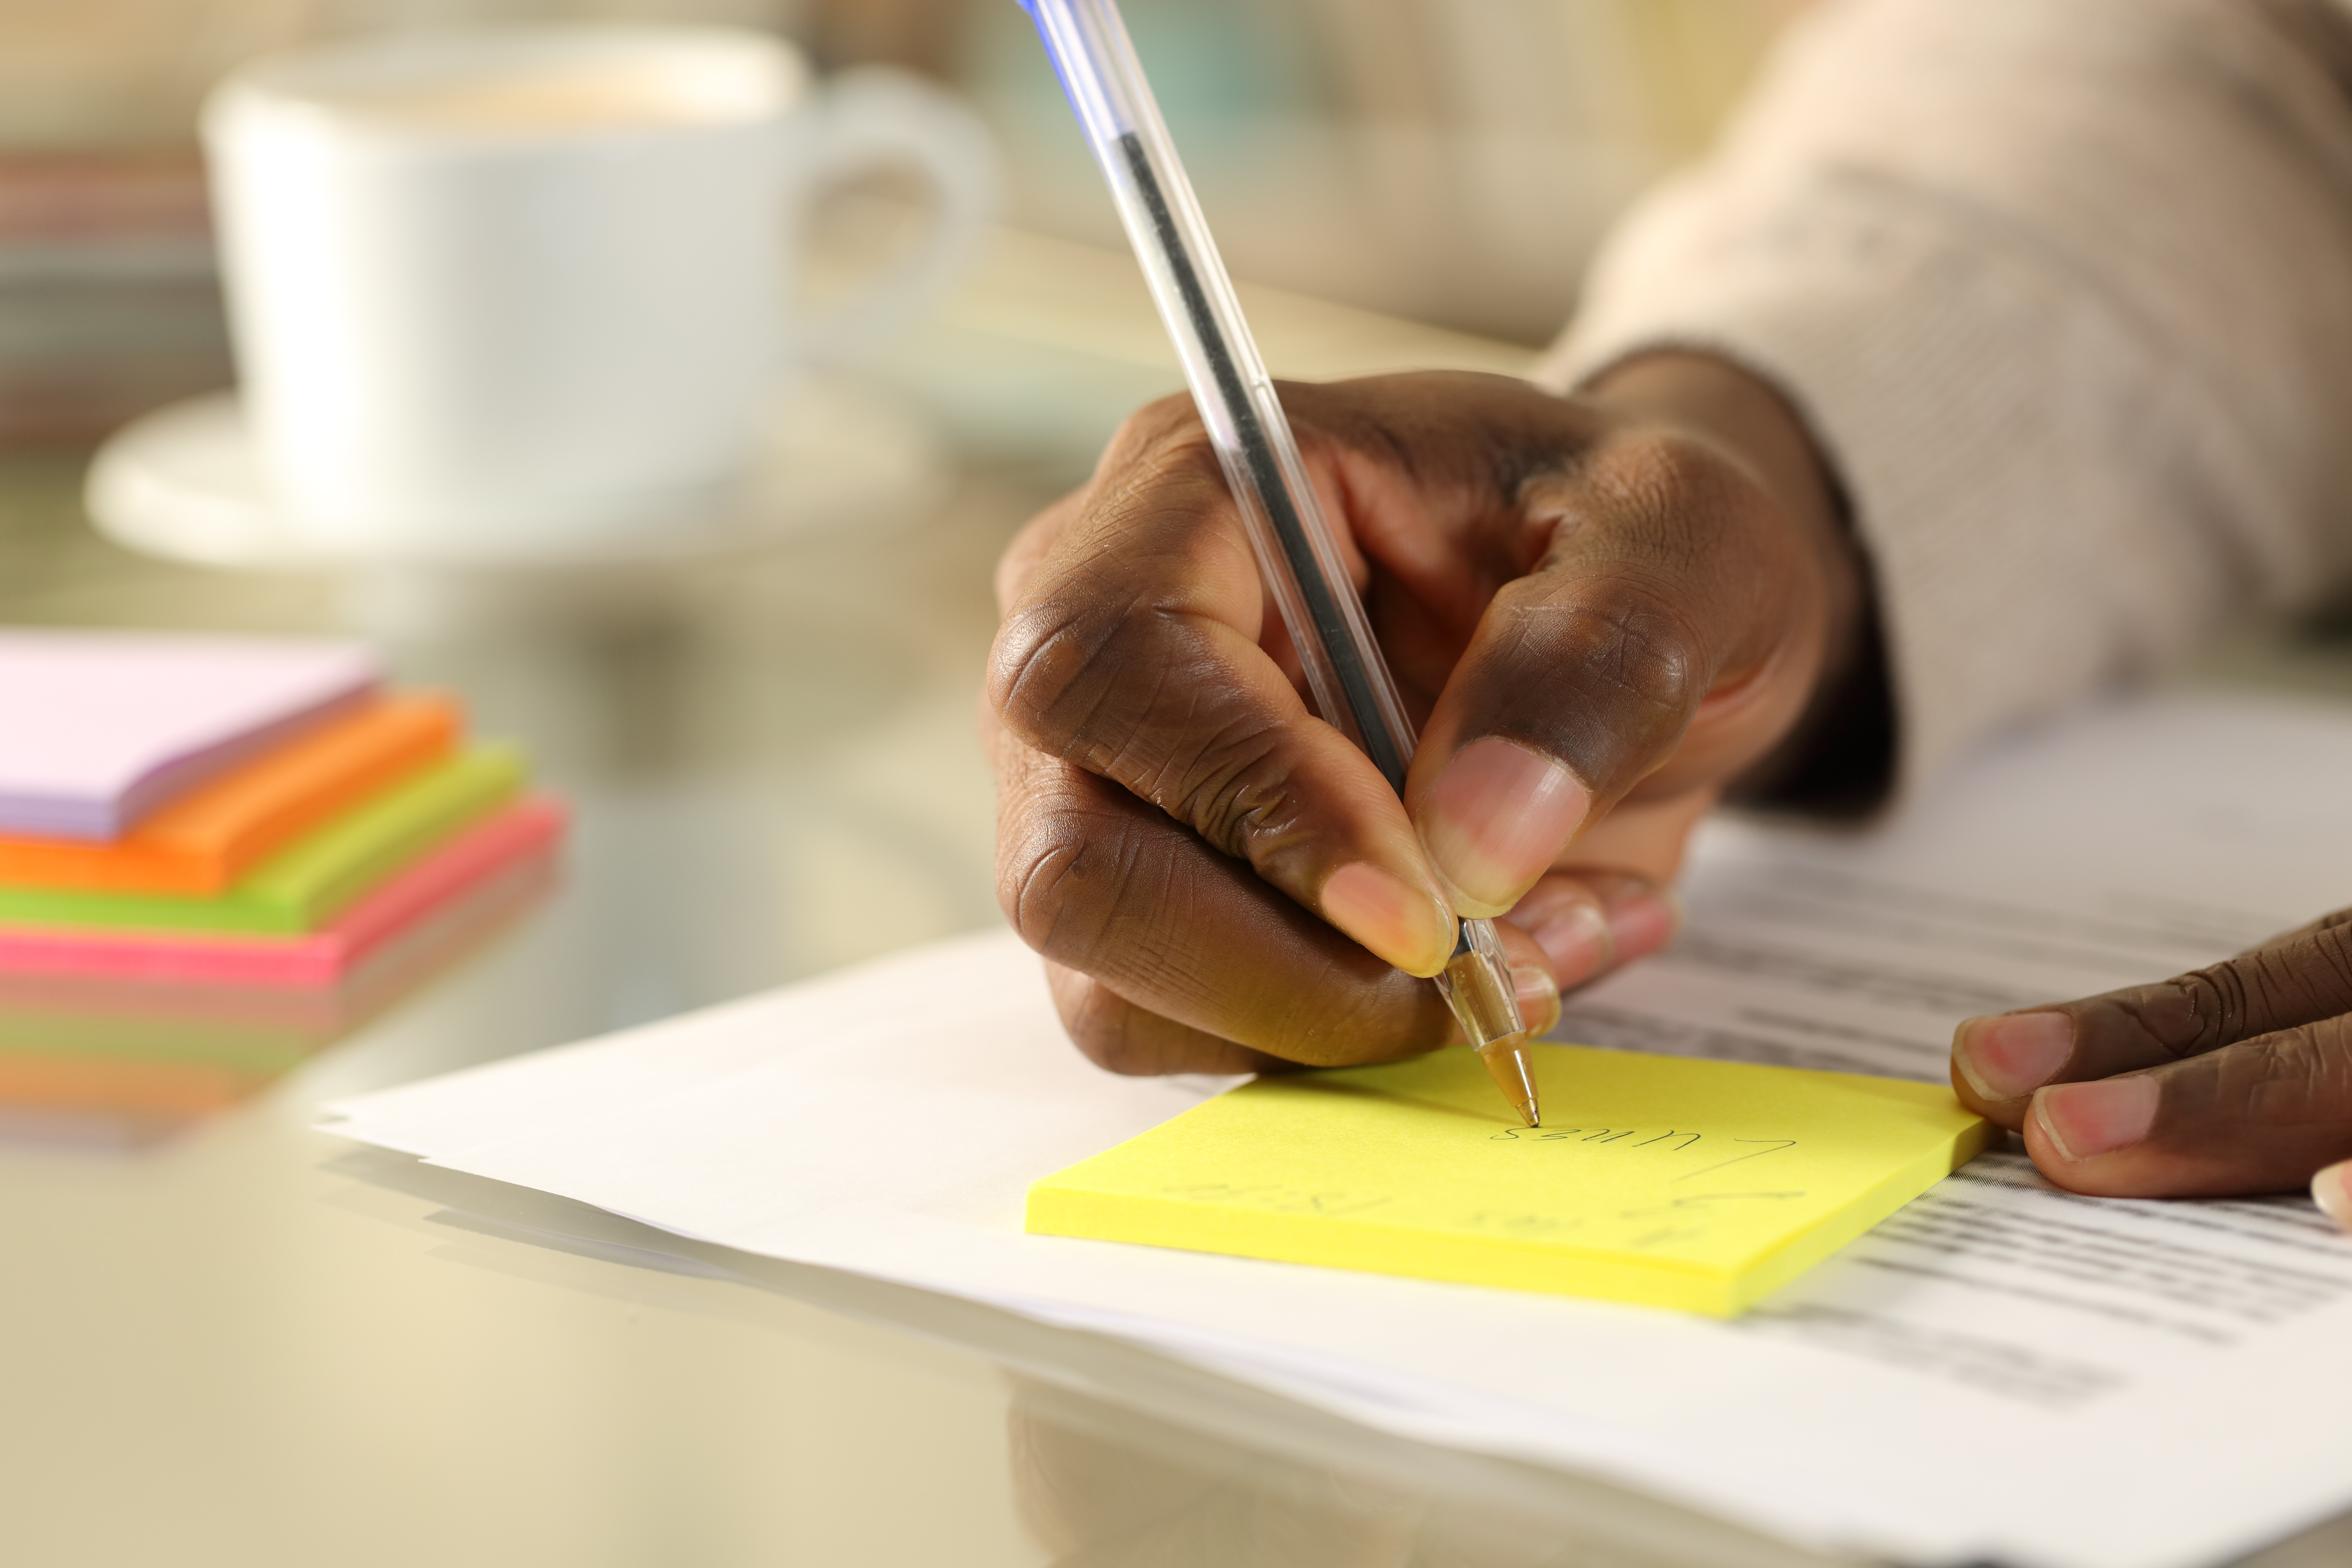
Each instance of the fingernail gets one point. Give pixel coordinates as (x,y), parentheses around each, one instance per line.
(2011,1056)
(2332,1191)
(1494,819)
(1538,996)
(1393,919)
(1578,943)
(1641,923)
(2087,1119)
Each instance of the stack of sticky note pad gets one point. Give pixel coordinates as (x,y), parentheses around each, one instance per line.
(216,853)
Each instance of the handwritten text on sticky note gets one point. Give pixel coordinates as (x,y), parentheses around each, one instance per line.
(1663,1180)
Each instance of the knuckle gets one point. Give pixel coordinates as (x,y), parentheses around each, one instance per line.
(2289,985)
(1175,415)
(1043,652)
(1117,1054)
(1234,787)
(1644,646)
(2331,952)
(1034,893)
(1626,649)
(1103,1025)
(2334,920)
(2297,1075)
(1076,675)
(1033,885)
(1061,870)
(1117,1050)
(1664,472)
(1625,629)
(2249,994)
(2191,1014)
(1132,697)
(1683,503)
(1107,643)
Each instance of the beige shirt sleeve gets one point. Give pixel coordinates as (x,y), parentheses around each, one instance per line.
(2064,289)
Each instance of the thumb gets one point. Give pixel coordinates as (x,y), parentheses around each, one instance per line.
(1669,634)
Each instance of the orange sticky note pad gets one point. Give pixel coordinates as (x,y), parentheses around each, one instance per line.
(202,843)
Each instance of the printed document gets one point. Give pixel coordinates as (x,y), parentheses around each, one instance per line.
(1999,1372)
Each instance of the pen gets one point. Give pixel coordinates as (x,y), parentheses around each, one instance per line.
(1353,689)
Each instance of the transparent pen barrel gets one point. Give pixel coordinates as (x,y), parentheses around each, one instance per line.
(1304,571)
(1302,567)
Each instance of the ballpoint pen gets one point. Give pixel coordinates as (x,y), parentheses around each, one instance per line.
(1349,678)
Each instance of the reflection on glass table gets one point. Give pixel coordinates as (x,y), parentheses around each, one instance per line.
(1115,1457)
(1110,1454)
(101,1060)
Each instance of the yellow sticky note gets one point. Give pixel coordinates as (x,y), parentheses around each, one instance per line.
(1699,1185)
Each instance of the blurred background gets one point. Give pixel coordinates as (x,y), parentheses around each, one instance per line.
(1449,161)
(771,749)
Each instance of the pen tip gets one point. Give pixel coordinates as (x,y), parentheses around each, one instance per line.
(1514,1073)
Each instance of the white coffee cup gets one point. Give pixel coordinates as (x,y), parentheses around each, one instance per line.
(502,290)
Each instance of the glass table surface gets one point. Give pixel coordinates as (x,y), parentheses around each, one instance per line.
(248,1344)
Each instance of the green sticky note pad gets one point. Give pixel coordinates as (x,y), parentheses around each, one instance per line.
(1698,1185)
(312,879)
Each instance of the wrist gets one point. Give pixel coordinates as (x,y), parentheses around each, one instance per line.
(1838,755)
(1747,417)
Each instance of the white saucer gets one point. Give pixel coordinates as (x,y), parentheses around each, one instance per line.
(184,484)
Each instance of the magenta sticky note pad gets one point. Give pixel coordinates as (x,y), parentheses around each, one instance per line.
(98,729)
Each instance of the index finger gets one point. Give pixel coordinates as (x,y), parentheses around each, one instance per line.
(1133,651)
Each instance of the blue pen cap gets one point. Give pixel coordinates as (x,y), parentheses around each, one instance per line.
(1087,44)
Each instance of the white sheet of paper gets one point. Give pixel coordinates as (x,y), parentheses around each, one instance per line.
(2000,1372)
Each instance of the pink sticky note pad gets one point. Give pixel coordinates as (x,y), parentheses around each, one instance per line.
(97,729)
(322,958)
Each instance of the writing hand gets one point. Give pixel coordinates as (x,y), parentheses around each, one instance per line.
(1600,611)
(2233,1079)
